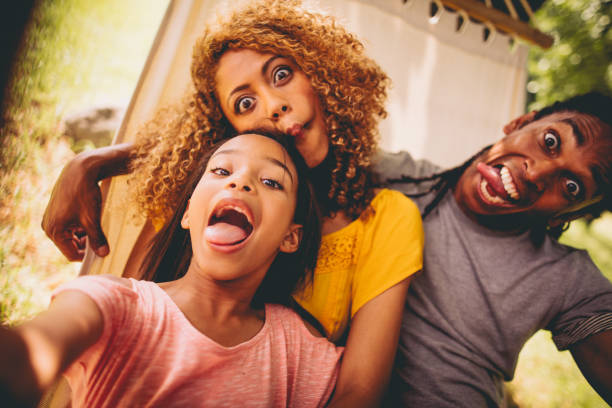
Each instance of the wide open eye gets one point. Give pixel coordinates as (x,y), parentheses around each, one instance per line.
(272,183)
(281,74)
(220,171)
(572,187)
(551,140)
(243,104)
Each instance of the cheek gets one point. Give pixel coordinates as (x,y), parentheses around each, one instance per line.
(281,212)
(302,88)
(198,203)
(252,120)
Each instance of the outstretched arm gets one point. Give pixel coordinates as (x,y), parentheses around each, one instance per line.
(594,358)
(36,353)
(73,211)
(370,350)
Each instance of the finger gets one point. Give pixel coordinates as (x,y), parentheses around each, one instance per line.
(97,240)
(81,251)
(79,238)
(67,247)
(90,221)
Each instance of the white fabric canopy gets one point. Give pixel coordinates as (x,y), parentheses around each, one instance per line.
(452,92)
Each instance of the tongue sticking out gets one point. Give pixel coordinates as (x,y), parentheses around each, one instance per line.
(491,175)
(224,234)
(228,227)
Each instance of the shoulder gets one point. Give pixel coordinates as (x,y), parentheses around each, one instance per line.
(90,282)
(117,280)
(291,321)
(394,165)
(395,213)
(391,200)
(559,253)
(109,293)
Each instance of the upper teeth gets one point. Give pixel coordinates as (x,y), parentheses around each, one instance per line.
(220,211)
(508,183)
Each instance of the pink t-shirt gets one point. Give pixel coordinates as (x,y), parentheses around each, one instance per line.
(149,355)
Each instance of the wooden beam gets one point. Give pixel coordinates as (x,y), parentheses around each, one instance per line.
(481,12)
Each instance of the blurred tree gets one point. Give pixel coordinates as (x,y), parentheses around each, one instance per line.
(581,58)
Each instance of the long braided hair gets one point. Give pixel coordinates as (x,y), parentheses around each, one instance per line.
(442,182)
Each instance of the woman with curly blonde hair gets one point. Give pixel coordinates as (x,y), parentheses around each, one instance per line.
(274,65)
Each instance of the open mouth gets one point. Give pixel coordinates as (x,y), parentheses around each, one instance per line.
(497,185)
(228,225)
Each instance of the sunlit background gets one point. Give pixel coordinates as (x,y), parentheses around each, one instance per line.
(81,57)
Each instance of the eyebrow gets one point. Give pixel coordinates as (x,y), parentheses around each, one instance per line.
(267,158)
(264,69)
(281,164)
(578,135)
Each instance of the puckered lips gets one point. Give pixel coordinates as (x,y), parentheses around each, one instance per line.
(297,130)
(230,225)
(497,186)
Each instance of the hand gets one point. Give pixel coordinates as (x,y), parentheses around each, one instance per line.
(72,216)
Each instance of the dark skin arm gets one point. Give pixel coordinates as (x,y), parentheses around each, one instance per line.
(72,216)
(594,358)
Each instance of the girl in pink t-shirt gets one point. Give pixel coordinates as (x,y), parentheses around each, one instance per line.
(245,236)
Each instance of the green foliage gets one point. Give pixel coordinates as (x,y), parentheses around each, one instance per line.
(581,58)
(75,55)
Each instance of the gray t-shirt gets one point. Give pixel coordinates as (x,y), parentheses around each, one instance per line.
(480,297)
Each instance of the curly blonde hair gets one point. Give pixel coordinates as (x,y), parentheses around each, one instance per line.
(352,89)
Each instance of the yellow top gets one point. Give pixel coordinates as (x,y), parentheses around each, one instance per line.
(363,259)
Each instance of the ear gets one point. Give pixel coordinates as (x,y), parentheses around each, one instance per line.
(291,241)
(519,122)
(185,219)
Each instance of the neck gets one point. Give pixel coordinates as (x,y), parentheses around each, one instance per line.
(201,297)
(320,176)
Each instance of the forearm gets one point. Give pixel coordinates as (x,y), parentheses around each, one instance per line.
(106,161)
(594,358)
(355,397)
(370,350)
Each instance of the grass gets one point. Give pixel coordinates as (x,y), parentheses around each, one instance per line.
(80,54)
(76,54)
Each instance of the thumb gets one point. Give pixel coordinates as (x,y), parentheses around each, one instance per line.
(98,242)
(95,237)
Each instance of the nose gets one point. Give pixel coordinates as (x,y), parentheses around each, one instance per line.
(276,105)
(240,186)
(539,173)
(276,114)
(240,182)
